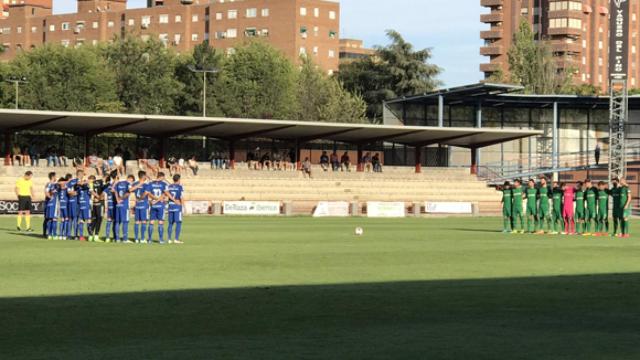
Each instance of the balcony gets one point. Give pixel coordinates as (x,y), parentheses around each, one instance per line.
(564,47)
(574,14)
(491,34)
(567,62)
(490,67)
(567,31)
(494,17)
(491,50)
(491,3)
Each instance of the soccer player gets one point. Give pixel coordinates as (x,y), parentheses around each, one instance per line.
(140,190)
(603,210)
(532,206)
(122,192)
(544,215)
(591,199)
(615,194)
(579,213)
(157,193)
(84,208)
(516,209)
(110,212)
(63,208)
(568,198)
(558,222)
(24,192)
(49,207)
(507,204)
(625,210)
(96,192)
(175,193)
(72,191)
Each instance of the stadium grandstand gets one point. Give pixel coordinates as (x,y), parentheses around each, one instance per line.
(85,135)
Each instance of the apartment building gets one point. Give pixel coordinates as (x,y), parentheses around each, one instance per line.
(296,27)
(577,32)
(353,49)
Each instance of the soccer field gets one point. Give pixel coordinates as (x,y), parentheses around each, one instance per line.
(297,288)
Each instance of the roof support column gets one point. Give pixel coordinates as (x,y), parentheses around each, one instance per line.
(297,159)
(232,155)
(418,157)
(7,148)
(555,141)
(474,161)
(440,111)
(87,139)
(163,152)
(360,167)
(478,124)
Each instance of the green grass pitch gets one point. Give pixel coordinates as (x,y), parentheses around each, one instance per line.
(303,288)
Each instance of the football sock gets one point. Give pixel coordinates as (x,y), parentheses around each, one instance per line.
(107,230)
(170,231)
(136,231)
(150,232)
(161,232)
(143,228)
(27,219)
(178,230)
(125,231)
(19,221)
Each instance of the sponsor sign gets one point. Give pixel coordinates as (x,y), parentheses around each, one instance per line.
(251,208)
(196,207)
(448,208)
(385,209)
(8,207)
(619,39)
(332,209)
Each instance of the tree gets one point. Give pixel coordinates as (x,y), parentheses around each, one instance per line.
(145,75)
(394,70)
(190,99)
(532,64)
(64,79)
(257,81)
(321,98)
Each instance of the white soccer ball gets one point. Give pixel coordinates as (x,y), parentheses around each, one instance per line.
(359,231)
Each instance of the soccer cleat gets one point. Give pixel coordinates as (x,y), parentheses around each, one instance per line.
(18,228)
(82,238)
(128,242)
(514,232)
(107,240)
(178,242)
(170,241)
(29,230)
(586,234)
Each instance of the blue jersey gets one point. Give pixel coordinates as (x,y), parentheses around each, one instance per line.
(110,196)
(63,196)
(84,195)
(122,189)
(142,200)
(72,187)
(157,189)
(50,188)
(176,191)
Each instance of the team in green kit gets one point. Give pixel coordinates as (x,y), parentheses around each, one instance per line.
(560,208)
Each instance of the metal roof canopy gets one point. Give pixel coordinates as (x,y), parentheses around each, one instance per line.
(503,95)
(91,124)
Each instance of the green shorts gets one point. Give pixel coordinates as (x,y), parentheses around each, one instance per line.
(506,212)
(532,211)
(591,213)
(626,213)
(579,215)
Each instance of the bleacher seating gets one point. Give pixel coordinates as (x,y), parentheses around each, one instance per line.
(394,184)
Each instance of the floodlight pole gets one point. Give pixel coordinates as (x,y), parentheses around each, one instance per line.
(16,82)
(204,83)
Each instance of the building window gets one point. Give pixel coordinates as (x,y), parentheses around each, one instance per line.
(303,51)
(34,29)
(303,11)
(65,43)
(194,18)
(232,33)
(132,22)
(231,51)
(177,38)
(19,29)
(178,18)
(250,32)
(219,16)
(194,37)
(315,50)
(111,24)
(232,14)
(64,26)
(316,12)
(332,54)
(332,15)
(95,25)
(164,38)
(163,19)
(52,28)
(303,32)
(145,21)
(316,31)
(252,12)
(265,12)
(332,34)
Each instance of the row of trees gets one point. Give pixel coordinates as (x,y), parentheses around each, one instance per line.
(136,76)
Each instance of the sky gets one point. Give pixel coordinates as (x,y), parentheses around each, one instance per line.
(454,37)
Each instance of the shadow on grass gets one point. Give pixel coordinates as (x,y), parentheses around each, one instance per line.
(577,317)
(468,230)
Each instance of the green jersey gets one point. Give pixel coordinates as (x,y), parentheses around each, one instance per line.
(507,198)
(579,201)
(615,194)
(544,192)
(557,199)
(591,197)
(516,193)
(603,201)
(532,196)
(624,196)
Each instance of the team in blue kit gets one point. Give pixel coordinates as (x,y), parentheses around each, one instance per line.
(75,206)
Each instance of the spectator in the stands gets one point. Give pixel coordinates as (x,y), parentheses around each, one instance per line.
(265,161)
(62,158)
(251,160)
(287,165)
(306,167)
(94,163)
(345,162)
(377,164)
(293,159)
(52,157)
(324,161)
(335,161)
(172,163)
(193,165)
(118,164)
(367,162)
(276,162)
(26,159)
(34,153)
(16,153)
